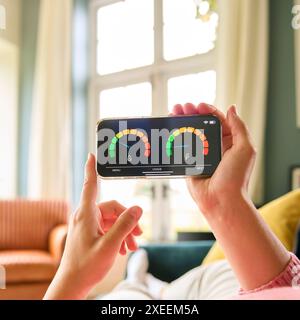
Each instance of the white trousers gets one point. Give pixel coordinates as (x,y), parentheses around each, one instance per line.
(211,282)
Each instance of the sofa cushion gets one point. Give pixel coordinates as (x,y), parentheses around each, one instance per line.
(27,266)
(183,255)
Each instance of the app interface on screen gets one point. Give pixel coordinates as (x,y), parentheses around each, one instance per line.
(180,146)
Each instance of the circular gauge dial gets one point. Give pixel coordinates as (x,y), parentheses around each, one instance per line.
(170,145)
(122,138)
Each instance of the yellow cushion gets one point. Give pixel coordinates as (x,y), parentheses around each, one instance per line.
(282,215)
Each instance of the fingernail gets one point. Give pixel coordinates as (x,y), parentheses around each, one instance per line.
(234,109)
(135,212)
(90,155)
(212,107)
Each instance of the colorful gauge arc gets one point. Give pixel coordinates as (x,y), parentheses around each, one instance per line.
(119,135)
(182,130)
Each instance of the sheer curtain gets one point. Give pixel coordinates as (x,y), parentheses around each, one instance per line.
(50,149)
(242,66)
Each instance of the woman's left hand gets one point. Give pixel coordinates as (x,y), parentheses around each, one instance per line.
(97,233)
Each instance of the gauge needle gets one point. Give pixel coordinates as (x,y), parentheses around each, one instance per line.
(125,145)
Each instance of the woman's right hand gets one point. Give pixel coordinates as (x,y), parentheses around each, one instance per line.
(254,252)
(233,173)
(97,233)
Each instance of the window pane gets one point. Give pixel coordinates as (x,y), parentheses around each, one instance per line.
(186,215)
(184,34)
(125,35)
(130,101)
(194,88)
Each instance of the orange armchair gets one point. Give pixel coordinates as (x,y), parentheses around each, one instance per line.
(32,238)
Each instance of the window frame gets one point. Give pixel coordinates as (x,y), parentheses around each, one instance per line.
(157,74)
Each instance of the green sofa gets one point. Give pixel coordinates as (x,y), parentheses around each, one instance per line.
(168,261)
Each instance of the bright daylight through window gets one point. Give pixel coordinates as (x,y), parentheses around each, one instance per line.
(147,56)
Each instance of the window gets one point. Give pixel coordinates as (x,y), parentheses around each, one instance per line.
(148,55)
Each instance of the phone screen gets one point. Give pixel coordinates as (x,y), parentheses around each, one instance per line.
(158,147)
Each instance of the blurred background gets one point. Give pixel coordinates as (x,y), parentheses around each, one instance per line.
(65,64)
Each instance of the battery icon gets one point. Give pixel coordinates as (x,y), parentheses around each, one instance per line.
(212,122)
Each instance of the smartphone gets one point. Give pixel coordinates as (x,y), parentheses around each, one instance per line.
(158,147)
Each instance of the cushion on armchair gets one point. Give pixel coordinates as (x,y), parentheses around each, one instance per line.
(23,266)
(32,238)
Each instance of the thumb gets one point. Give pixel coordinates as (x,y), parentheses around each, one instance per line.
(89,190)
(125,224)
(239,131)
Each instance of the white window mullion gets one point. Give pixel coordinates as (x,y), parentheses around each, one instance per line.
(158,32)
(96,4)
(174,68)
(160,212)
(123,78)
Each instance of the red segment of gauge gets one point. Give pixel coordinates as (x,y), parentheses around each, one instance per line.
(147,153)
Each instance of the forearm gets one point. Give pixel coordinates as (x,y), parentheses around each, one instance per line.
(66,287)
(253,251)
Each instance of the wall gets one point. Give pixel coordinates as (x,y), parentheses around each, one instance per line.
(9,79)
(282,135)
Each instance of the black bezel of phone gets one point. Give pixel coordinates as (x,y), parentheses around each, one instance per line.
(154,171)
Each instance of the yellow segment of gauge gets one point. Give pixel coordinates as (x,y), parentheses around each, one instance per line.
(176,133)
(140,134)
(119,135)
(197,132)
(133,131)
(202,137)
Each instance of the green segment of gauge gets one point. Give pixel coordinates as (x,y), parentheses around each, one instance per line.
(112,148)
(169,145)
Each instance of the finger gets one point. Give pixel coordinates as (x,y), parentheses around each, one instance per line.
(123,250)
(240,134)
(204,108)
(189,108)
(137,231)
(110,211)
(124,225)
(177,110)
(131,243)
(89,190)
